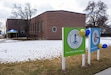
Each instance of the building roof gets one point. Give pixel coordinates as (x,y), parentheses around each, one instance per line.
(57,11)
(64,11)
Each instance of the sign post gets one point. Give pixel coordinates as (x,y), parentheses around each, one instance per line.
(83,60)
(98,54)
(73,44)
(63,58)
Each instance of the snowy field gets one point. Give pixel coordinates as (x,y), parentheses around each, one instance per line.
(20,51)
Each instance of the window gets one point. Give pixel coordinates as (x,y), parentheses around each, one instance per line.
(42,23)
(38,26)
(22,31)
(54,29)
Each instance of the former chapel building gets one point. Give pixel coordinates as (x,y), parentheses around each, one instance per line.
(47,25)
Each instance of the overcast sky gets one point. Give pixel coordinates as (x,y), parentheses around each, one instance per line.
(46,5)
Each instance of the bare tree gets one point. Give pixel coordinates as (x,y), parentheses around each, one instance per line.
(96,14)
(25,13)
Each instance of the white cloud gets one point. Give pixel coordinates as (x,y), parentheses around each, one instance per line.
(46,5)
(43,8)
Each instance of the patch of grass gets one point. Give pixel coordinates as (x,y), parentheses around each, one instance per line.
(53,67)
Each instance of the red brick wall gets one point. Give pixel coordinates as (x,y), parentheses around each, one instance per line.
(63,19)
(37,22)
(17,24)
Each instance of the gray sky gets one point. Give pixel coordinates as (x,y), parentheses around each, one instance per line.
(45,5)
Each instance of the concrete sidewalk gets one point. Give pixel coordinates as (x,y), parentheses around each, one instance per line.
(105,72)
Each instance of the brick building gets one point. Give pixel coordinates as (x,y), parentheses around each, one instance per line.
(16,24)
(48,25)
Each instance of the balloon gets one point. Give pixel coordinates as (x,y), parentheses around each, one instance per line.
(87,32)
(104,46)
(100,46)
(82,32)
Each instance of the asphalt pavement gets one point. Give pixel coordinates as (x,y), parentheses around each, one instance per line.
(105,72)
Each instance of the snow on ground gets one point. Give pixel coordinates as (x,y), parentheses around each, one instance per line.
(18,51)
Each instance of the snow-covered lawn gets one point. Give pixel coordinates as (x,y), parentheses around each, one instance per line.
(18,51)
